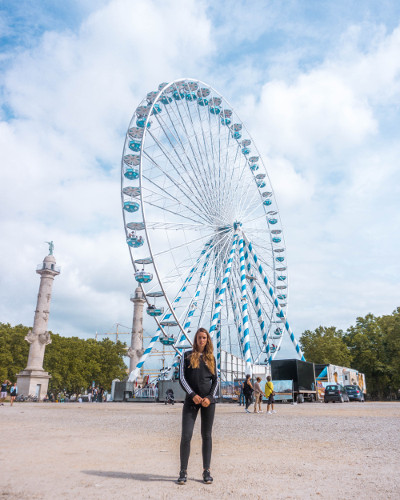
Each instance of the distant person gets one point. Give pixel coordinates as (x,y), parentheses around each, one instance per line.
(248,392)
(100,394)
(269,394)
(13,393)
(241,395)
(3,393)
(198,377)
(258,393)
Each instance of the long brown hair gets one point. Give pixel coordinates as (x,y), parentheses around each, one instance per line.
(208,353)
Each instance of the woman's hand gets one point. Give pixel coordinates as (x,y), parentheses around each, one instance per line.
(197,400)
(205,402)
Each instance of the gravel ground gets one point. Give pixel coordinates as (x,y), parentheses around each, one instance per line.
(129,450)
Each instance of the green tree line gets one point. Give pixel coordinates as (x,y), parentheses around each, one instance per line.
(73,363)
(371,346)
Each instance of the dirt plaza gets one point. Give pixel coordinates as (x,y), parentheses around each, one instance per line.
(131,450)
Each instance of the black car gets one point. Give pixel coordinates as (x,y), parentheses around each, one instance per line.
(355,393)
(335,392)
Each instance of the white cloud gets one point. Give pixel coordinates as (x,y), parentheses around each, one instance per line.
(72,96)
(321,128)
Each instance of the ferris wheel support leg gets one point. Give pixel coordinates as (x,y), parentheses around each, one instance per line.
(245,313)
(276,303)
(183,335)
(238,325)
(219,346)
(175,361)
(257,304)
(134,373)
(218,303)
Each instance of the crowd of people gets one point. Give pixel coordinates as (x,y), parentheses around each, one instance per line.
(247,392)
(95,394)
(9,391)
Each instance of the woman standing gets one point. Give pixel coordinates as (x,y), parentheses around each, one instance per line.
(247,391)
(258,396)
(13,393)
(198,378)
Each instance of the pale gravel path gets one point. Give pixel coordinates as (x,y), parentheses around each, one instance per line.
(128,450)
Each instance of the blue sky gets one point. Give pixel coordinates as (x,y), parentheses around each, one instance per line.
(317,85)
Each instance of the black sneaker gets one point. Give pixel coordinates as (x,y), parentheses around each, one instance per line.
(207,477)
(182,477)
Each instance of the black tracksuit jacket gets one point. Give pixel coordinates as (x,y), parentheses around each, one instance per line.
(197,380)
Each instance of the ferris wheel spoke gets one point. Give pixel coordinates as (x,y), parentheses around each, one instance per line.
(225,191)
(169,250)
(178,214)
(174,226)
(173,165)
(208,162)
(207,247)
(257,347)
(257,311)
(206,301)
(178,157)
(196,295)
(276,303)
(169,177)
(253,310)
(221,293)
(232,187)
(214,156)
(201,179)
(245,202)
(236,307)
(178,202)
(203,161)
(256,302)
(245,313)
(215,169)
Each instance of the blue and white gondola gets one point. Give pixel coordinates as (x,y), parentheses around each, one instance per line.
(143,277)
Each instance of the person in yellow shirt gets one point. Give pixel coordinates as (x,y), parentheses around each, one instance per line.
(269,394)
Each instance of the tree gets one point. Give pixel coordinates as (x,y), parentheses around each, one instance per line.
(375,346)
(325,345)
(391,327)
(13,350)
(73,363)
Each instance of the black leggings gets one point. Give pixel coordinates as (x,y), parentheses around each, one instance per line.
(248,400)
(189,415)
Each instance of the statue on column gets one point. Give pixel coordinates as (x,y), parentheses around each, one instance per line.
(51,247)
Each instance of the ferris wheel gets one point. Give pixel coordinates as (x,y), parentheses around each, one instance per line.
(202,226)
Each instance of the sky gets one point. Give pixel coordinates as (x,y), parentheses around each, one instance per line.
(317,84)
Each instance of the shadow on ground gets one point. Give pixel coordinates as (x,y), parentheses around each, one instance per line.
(130,475)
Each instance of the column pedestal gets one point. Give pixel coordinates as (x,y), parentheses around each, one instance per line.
(33,383)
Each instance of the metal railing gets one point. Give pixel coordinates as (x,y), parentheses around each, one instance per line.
(49,267)
(147,392)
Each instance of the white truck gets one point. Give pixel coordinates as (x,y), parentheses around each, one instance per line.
(333,374)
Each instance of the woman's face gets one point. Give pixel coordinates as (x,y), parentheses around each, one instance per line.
(201,340)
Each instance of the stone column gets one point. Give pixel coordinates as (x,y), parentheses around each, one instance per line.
(136,349)
(34,380)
